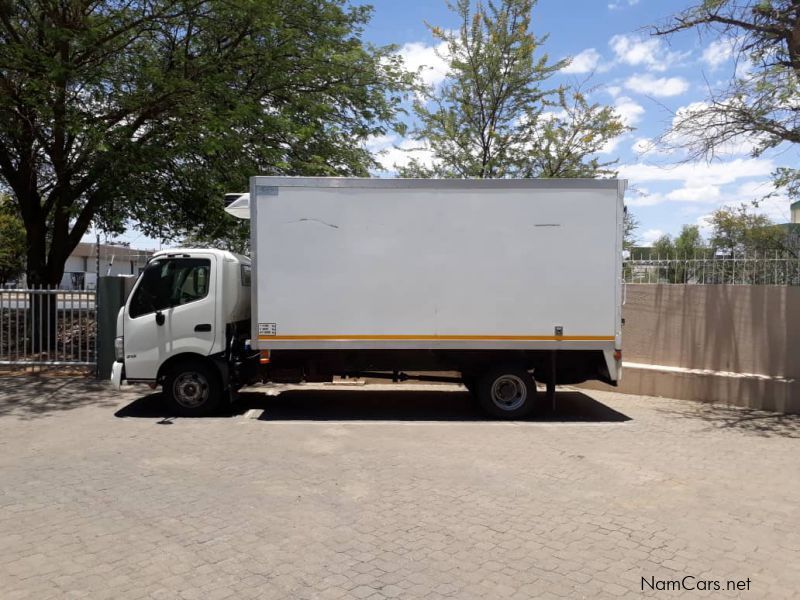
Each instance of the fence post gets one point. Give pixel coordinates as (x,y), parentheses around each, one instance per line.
(110,298)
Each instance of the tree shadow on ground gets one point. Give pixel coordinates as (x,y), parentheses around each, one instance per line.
(31,397)
(382,405)
(748,420)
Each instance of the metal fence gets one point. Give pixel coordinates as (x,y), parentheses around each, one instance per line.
(40,327)
(53,327)
(732,269)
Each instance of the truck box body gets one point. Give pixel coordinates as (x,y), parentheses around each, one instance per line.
(435,264)
(496,284)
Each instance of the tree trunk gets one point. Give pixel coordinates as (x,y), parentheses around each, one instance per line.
(43,331)
(43,273)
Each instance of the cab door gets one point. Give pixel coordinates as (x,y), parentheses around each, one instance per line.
(171,310)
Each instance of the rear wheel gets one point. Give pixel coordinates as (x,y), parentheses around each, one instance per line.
(193,389)
(507,392)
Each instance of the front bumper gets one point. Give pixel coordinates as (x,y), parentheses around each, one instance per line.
(117,375)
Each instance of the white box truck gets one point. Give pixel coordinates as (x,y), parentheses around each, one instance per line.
(505,282)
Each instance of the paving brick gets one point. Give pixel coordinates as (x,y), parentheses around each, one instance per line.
(580,504)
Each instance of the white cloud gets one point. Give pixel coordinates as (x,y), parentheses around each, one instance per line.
(693,124)
(618,4)
(643,146)
(651,235)
(776,208)
(657,86)
(695,198)
(611,145)
(614,90)
(649,53)
(640,196)
(629,111)
(703,193)
(392,151)
(377,143)
(689,194)
(719,52)
(704,225)
(430,59)
(646,146)
(585,61)
(547,116)
(700,174)
(744,68)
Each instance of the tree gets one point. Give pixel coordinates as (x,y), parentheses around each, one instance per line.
(151,109)
(566,143)
(760,104)
(228,233)
(741,231)
(662,251)
(663,247)
(494,115)
(689,242)
(12,242)
(678,253)
(629,226)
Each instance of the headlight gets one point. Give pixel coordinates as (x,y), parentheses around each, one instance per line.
(119,349)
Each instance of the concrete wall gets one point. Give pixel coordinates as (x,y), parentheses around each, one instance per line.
(736,344)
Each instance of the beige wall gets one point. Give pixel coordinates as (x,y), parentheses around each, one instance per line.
(739,328)
(723,328)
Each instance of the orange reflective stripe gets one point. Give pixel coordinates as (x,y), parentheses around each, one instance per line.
(522,338)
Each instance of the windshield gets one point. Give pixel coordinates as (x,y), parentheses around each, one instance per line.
(168,282)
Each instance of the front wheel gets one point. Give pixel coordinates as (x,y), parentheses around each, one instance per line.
(507,392)
(193,390)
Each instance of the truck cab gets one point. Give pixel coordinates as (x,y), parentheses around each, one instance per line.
(188,312)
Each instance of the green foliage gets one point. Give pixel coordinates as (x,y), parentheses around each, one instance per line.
(12,242)
(566,142)
(739,230)
(673,256)
(495,116)
(227,233)
(760,103)
(789,180)
(663,247)
(151,110)
(629,226)
(689,242)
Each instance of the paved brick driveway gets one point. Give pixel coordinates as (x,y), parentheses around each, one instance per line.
(384,494)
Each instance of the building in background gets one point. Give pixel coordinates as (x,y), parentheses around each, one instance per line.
(80,272)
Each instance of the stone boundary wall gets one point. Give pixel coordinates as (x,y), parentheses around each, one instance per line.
(734,344)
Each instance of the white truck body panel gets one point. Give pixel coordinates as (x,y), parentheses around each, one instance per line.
(462,264)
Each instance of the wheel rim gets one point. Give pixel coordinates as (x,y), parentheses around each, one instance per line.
(509,392)
(190,389)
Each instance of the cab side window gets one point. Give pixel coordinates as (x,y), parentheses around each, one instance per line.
(169,282)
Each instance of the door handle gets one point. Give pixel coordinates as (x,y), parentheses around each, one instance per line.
(159,318)
(203,327)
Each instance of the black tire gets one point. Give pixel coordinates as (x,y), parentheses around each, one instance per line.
(193,389)
(507,392)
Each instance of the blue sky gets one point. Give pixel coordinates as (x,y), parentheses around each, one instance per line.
(646,79)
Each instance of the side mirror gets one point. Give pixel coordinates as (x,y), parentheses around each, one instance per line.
(159,318)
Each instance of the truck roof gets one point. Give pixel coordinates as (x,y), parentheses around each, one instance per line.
(224,254)
(376,182)
(269,185)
